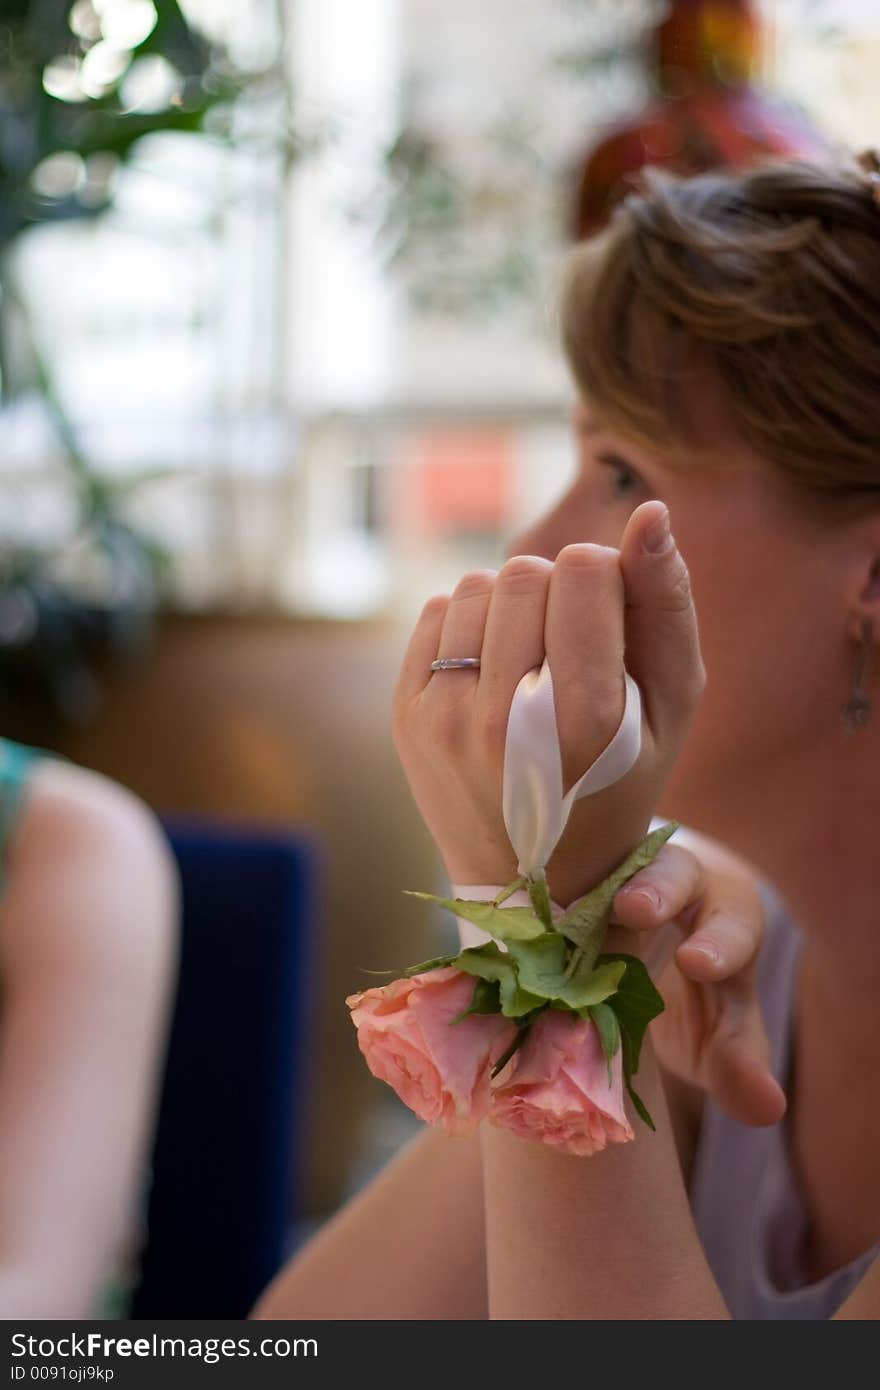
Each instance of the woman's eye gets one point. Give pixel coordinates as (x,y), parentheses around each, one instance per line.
(625,480)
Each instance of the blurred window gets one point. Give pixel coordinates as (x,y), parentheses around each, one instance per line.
(246,342)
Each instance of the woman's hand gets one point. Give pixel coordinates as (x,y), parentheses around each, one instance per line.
(581,612)
(701,922)
(450,731)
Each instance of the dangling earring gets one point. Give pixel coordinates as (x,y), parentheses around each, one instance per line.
(857,710)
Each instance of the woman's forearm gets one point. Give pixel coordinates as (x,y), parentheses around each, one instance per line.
(411,1245)
(590,1238)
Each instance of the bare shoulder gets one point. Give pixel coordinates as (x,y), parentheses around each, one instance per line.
(70,802)
(86,853)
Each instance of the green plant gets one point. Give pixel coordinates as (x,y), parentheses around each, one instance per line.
(81,82)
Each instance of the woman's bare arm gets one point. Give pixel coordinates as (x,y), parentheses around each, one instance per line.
(87,949)
(863,1304)
(411,1245)
(607,1237)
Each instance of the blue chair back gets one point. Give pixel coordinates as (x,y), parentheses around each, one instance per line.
(231,1116)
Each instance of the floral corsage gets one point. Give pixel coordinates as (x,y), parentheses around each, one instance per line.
(536,1029)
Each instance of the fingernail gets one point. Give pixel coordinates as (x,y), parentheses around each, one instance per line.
(649,895)
(658,537)
(705,948)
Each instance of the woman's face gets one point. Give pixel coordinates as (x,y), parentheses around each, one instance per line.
(769,590)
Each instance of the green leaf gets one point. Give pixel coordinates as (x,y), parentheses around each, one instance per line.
(436,964)
(590,987)
(485,1000)
(539,897)
(636,1002)
(488,962)
(585,923)
(508,892)
(541,967)
(505,923)
(641,1108)
(516,1002)
(608,1029)
(541,963)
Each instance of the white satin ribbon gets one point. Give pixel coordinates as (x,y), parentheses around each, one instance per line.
(535,810)
(469,935)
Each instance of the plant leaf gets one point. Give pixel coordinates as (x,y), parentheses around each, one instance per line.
(539,897)
(516,1002)
(636,1002)
(505,923)
(590,987)
(541,968)
(488,962)
(540,963)
(608,1029)
(437,963)
(586,922)
(508,892)
(485,1000)
(641,1108)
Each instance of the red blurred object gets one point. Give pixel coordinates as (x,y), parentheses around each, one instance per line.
(455,480)
(708,113)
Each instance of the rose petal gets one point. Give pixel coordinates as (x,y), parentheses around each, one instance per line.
(556,1088)
(440,1069)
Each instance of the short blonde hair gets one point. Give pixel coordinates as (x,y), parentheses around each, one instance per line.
(770,278)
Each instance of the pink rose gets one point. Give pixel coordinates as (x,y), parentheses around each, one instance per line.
(556,1089)
(440,1070)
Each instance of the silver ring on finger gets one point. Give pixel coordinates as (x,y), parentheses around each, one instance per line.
(456,663)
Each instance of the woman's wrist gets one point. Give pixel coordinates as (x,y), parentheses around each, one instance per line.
(487,892)
(469,935)
(539,1200)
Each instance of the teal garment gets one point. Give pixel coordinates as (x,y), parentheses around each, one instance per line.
(16,764)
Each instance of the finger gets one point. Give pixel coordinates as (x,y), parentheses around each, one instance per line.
(661,902)
(514,638)
(672,883)
(662,642)
(738,1063)
(415,671)
(462,634)
(724,941)
(724,925)
(584,642)
(723,921)
(657,948)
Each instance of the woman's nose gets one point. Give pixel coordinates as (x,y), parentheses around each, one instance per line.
(566,524)
(535,541)
(546,536)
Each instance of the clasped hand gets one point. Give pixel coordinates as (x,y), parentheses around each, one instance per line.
(584,612)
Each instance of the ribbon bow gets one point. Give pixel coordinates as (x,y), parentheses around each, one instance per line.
(535,810)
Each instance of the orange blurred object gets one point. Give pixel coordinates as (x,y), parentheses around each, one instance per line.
(708,112)
(454,480)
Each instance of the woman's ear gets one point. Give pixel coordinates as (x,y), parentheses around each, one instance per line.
(858,552)
(865,592)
